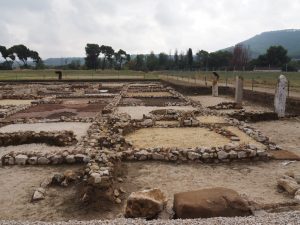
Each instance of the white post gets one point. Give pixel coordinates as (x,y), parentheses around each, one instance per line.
(215,88)
(280,96)
(239,85)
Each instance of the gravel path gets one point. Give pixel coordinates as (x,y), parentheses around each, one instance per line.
(290,218)
(79,129)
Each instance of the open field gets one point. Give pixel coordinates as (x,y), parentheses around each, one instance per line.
(255,78)
(73,75)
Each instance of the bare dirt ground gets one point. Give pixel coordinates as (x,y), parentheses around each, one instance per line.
(244,138)
(55,111)
(208,100)
(137,112)
(34,148)
(176,137)
(18,184)
(148,94)
(256,180)
(150,101)
(285,133)
(74,101)
(211,119)
(15,102)
(79,129)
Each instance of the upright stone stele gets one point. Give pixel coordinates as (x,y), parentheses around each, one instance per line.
(215,88)
(281,95)
(239,86)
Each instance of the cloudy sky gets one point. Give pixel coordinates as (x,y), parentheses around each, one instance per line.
(61,28)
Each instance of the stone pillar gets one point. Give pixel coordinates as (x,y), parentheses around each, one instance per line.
(215,88)
(280,96)
(239,85)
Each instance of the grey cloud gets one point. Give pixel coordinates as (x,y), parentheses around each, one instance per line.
(63,27)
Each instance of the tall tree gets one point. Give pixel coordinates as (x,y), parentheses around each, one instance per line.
(277,56)
(190,59)
(202,59)
(176,59)
(241,57)
(163,61)
(92,52)
(152,62)
(120,57)
(22,52)
(108,53)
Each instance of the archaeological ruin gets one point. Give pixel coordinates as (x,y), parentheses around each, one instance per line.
(144,150)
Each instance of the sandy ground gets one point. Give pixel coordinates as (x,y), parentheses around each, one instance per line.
(285,133)
(18,184)
(176,137)
(79,129)
(137,112)
(14,102)
(257,180)
(75,101)
(167,122)
(148,94)
(244,138)
(207,100)
(211,119)
(37,148)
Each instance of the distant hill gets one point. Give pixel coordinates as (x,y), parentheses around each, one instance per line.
(62,61)
(289,39)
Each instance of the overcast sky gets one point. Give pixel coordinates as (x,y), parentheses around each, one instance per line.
(61,28)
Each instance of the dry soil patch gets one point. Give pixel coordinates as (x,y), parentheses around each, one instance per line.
(176,137)
(137,112)
(79,129)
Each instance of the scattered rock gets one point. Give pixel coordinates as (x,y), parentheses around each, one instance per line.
(145,204)
(289,184)
(213,202)
(38,194)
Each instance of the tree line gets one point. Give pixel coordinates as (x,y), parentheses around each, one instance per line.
(20,52)
(104,57)
(110,59)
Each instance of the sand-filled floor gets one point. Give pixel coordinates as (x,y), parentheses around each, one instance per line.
(33,148)
(285,133)
(148,94)
(257,180)
(211,119)
(60,203)
(15,102)
(79,129)
(244,138)
(176,137)
(137,112)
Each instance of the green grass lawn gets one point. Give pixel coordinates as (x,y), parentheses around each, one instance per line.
(260,79)
(73,74)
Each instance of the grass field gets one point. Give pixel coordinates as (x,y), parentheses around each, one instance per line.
(258,79)
(73,74)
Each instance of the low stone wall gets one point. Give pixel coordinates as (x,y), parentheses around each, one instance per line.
(60,138)
(66,157)
(254,116)
(8,110)
(226,153)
